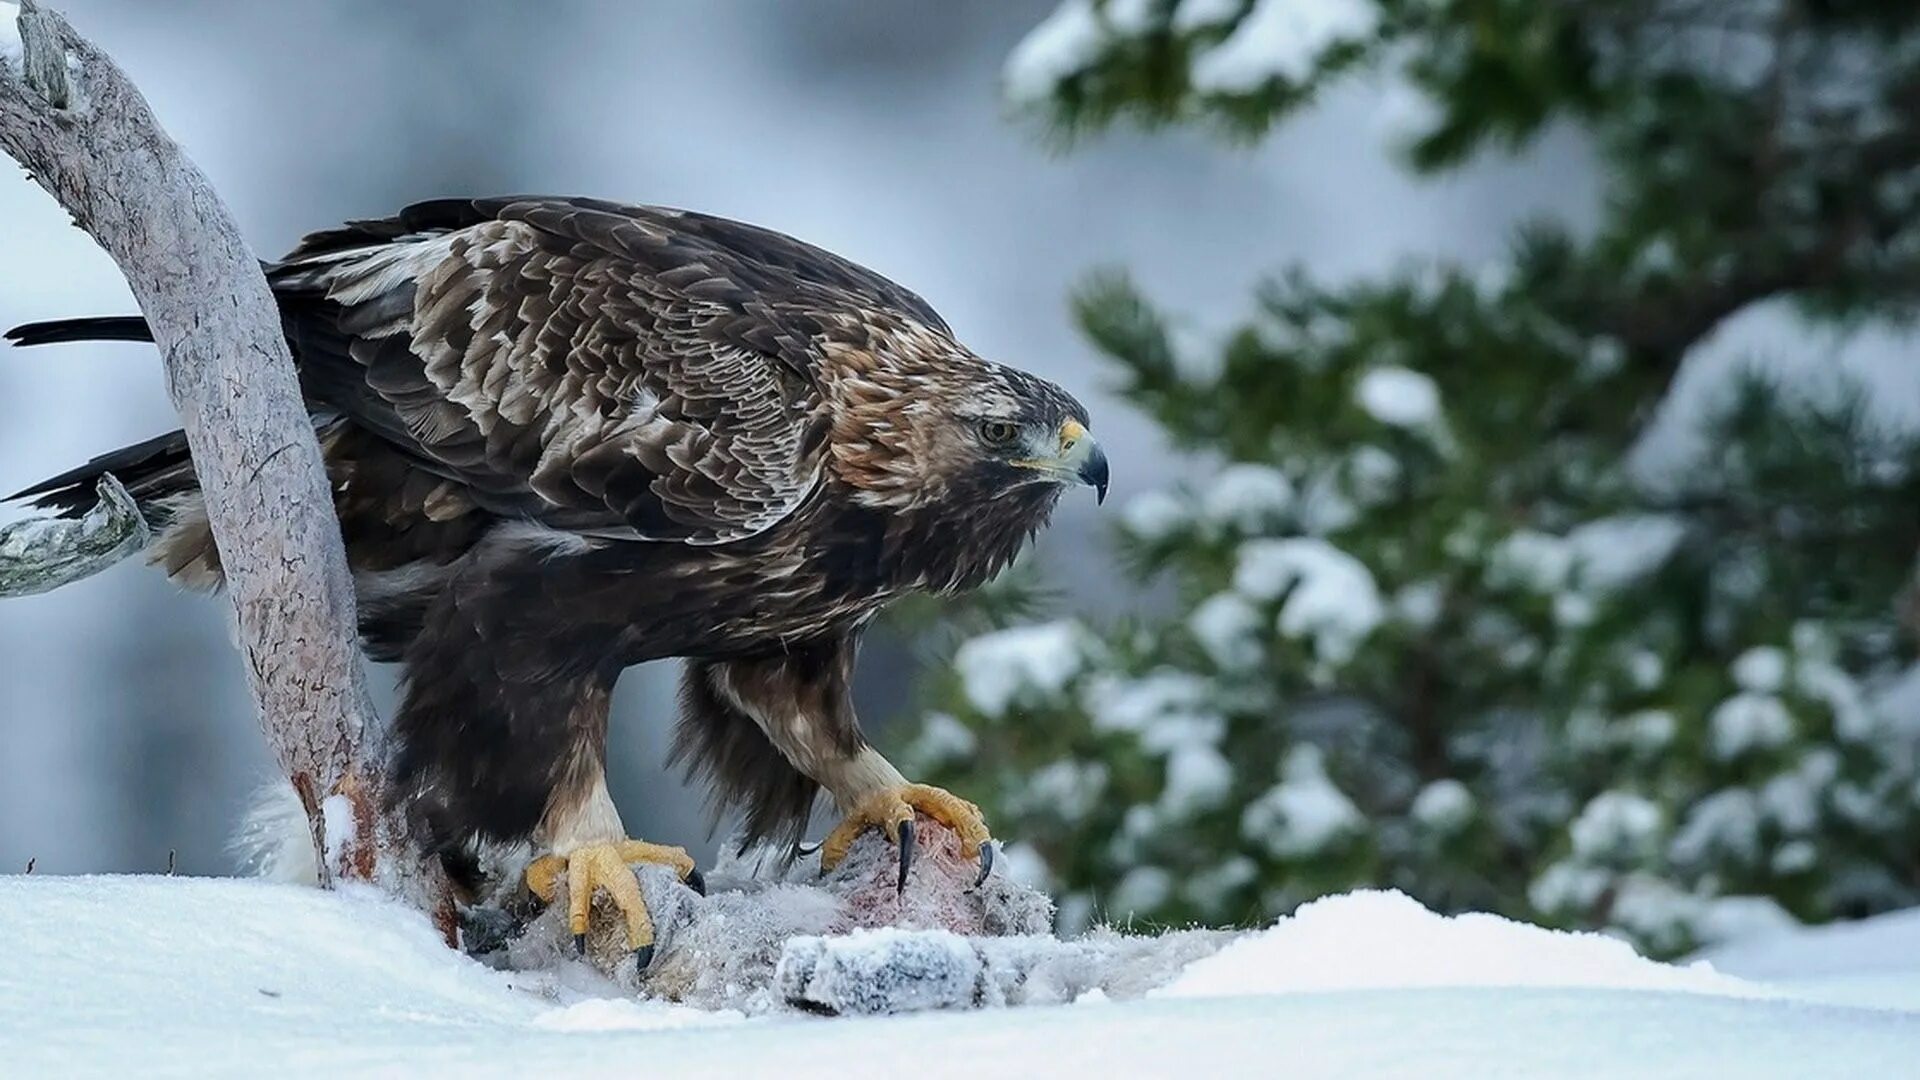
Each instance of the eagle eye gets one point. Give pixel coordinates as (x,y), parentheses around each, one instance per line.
(999,432)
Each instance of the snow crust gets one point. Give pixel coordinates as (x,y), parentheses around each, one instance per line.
(183,977)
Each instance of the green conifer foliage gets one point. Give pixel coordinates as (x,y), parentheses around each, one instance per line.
(1435,625)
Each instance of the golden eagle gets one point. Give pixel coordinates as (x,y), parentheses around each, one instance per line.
(566,436)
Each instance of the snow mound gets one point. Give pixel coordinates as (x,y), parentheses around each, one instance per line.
(113,977)
(1376,940)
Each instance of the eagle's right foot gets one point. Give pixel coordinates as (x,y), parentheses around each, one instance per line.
(891,809)
(609,867)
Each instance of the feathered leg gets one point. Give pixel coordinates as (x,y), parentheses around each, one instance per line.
(502,735)
(800,699)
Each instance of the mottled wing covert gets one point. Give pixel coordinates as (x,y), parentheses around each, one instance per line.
(617,371)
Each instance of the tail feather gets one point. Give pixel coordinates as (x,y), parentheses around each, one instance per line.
(98,328)
(152,471)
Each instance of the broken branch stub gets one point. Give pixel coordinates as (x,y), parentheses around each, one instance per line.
(41,554)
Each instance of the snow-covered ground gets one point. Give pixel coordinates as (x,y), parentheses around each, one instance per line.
(159,976)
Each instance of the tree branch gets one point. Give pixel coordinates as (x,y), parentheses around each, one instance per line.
(79,126)
(42,554)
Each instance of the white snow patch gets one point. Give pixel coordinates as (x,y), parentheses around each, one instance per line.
(1141,890)
(1444,806)
(1747,722)
(1228,628)
(337,826)
(1154,516)
(1614,552)
(1130,17)
(1330,595)
(1066,43)
(1419,605)
(1066,789)
(1247,497)
(1372,473)
(1725,824)
(1615,825)
(1165,709)
(1197,14)
(1280,38)
(1304,814)
(1761,669)
(1020,665)
(1531,559)
(112,977)
(1644,668)
(1853,719)
(1741,918)
(1600,556)
(1198,778)
(1398,396)
(1367,940)
(622,1014)
(943,739)
(1649,730)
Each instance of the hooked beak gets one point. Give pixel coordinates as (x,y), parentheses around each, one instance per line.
(1080,454)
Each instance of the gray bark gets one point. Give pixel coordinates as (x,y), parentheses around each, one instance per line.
(41,554)
(78,125)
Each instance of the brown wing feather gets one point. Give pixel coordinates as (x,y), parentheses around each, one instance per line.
(619,371)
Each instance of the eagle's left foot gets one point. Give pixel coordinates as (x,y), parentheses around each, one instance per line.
(892,810)
(609,867)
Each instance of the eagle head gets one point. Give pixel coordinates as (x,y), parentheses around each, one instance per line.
(951,428)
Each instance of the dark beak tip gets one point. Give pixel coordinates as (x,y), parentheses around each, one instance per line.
(1093,473)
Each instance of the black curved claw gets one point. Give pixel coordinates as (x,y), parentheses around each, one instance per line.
(697,881)
(906,854)
(643,958)
(986,863)
(579,944)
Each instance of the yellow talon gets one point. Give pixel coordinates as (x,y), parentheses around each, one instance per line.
(892,810)
(609,867)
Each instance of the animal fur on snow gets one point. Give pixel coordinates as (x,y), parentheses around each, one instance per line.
(773,937)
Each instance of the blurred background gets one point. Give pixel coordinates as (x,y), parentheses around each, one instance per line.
(996,159)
